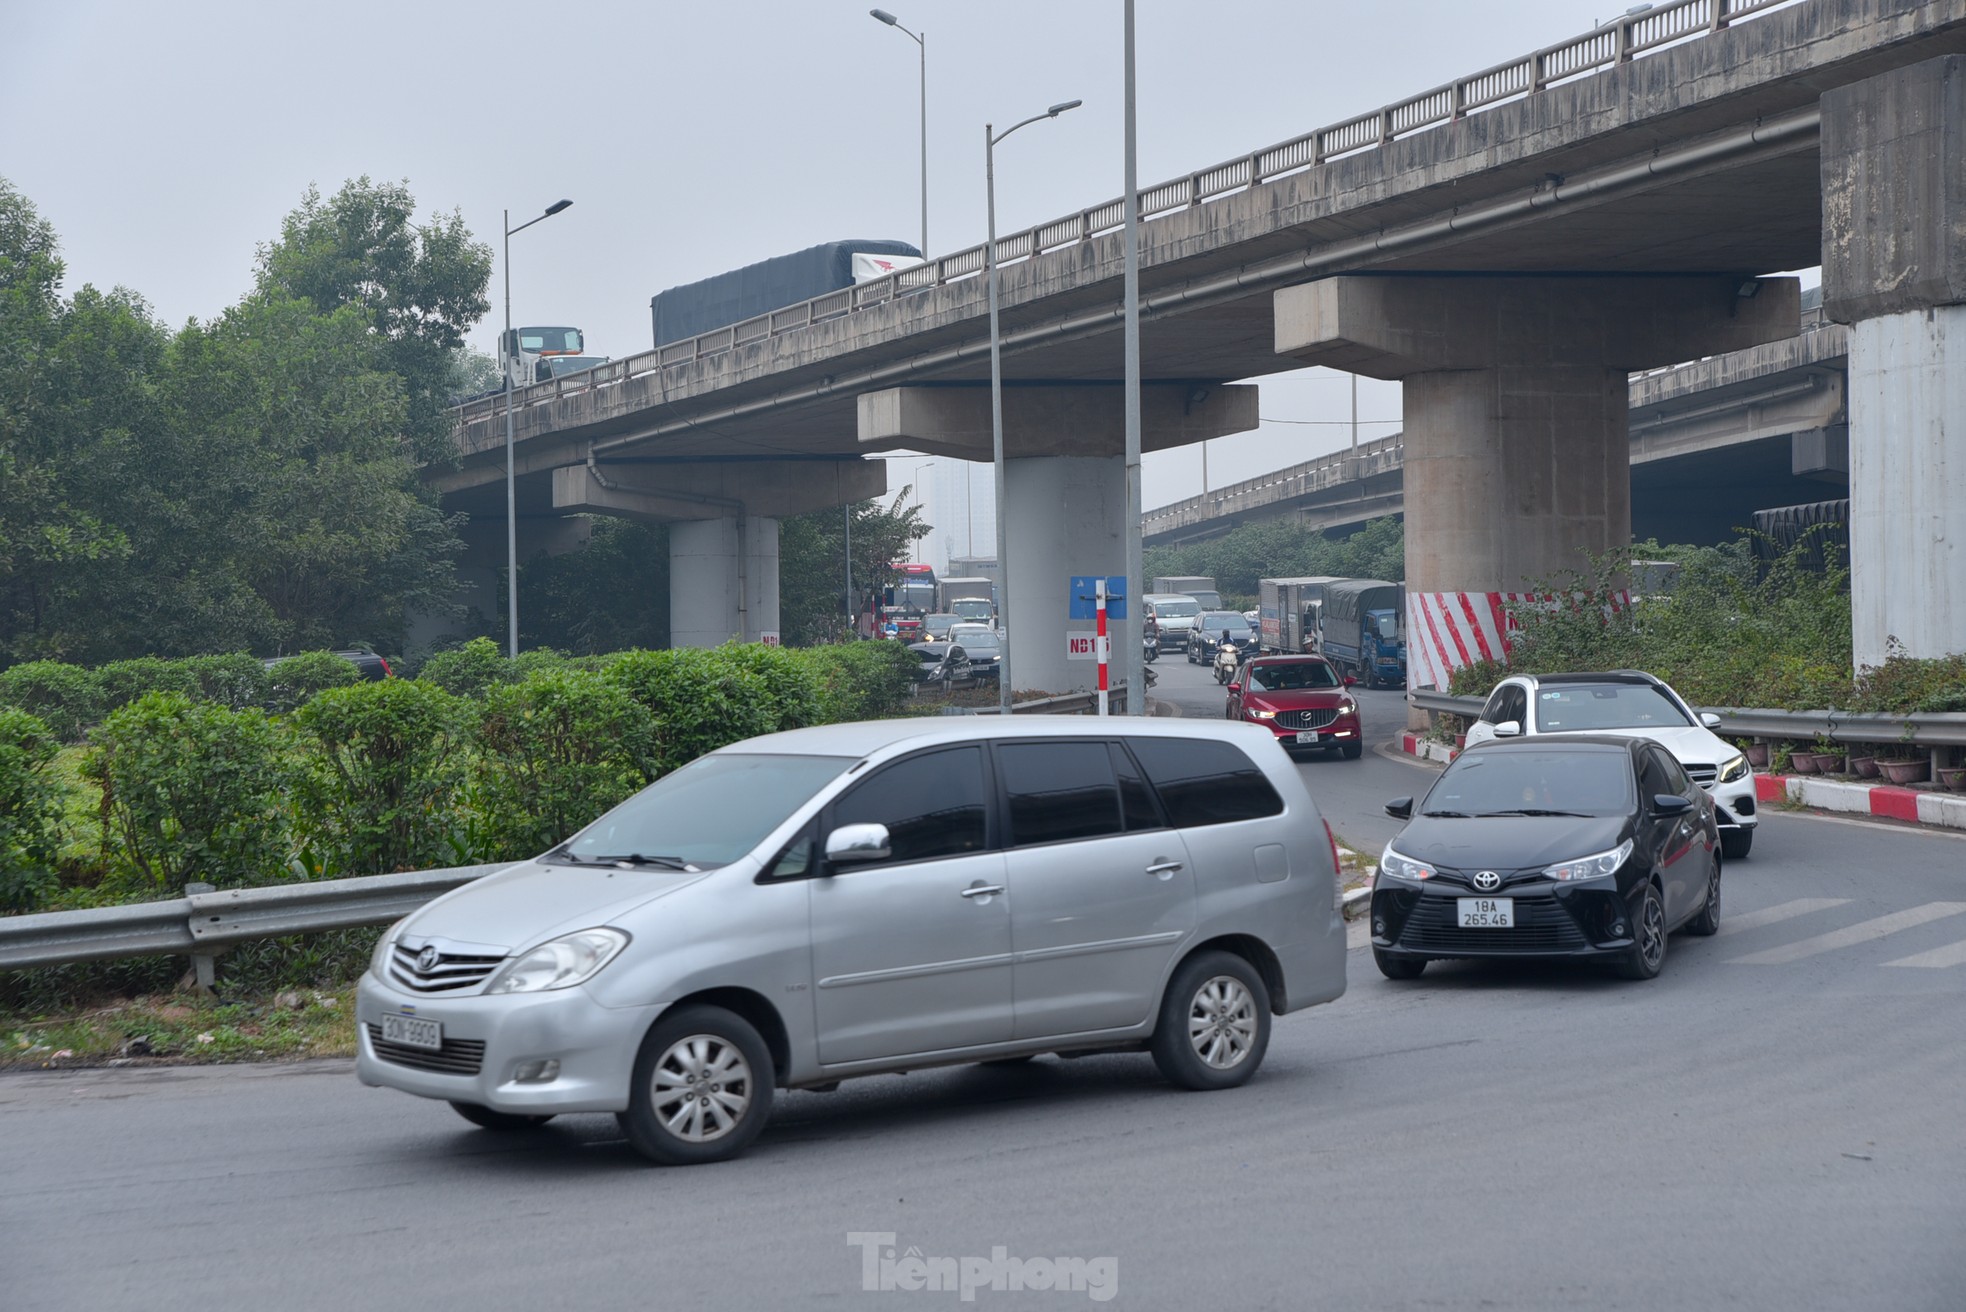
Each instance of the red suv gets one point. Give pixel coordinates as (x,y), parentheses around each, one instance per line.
(1302,700)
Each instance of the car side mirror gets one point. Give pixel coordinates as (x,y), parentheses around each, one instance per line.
(1709,719)
(1509,729)
(1350,680)
(1400,808)
(1235,687)
(851,843)
(1670,804)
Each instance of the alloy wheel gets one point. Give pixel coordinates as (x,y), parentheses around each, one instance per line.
(701,1088)
(1652,932)
(1222,1022)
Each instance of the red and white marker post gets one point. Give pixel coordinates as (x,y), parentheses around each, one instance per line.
(1099,604)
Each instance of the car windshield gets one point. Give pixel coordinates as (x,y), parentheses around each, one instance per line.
(1388,627)
(709,813)
(972,610)
(1292,676)
(1569,781)
(1214,621)
(977,641)
(1584,707)
(1178,608)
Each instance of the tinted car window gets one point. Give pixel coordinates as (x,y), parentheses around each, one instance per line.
(933,804)
(1488,782)
(1136,799)
(1653,778)
(1059,791)
(1580,708)
(1675,775)
(1202,782)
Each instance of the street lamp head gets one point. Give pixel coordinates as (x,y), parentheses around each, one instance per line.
(1056,110)
(885,17)
(556,207)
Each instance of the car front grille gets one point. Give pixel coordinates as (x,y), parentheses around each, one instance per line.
(1540,926)
(1702,774)
(1305,719)
(458,1057)
(451,972)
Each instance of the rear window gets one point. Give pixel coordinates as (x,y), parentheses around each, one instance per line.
(1205,782)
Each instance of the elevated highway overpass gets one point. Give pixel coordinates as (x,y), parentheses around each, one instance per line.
(1511,245)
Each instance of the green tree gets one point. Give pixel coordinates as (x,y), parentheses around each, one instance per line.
(418,287)
(811,562)
(611,595)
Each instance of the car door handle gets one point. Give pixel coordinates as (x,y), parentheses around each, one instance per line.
(982,890)
(1163,868)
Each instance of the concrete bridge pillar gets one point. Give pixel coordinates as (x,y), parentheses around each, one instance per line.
(723,529)
(1517,453)
(1894,269)
(1064,488)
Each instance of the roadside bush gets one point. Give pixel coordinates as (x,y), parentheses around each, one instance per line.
(861,680)
(554,752)
(66,698)
(385,765)
(296,680)
(792,694)
(191,791)
(467,671)
(530,662)
(30,811)
(122,682)
(1910,686)
(697,700)
(236,680)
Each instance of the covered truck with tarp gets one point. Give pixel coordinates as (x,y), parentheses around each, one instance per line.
(1364,630)
(728,298)
(1287,612)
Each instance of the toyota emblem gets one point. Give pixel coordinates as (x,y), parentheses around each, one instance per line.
(426,960)
(1486,880)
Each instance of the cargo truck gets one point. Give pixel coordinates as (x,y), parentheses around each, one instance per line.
(975,598)
(1287,611)
(1201,588)
(729,298)
(1364,630)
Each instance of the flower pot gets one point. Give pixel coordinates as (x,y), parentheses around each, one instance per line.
(1757,754)
(1864,767)
(1829,762)
(1905,772)
(1954,778)
(1461,741)
(1802,762)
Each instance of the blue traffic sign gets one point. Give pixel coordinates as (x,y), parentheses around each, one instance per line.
(1085,597)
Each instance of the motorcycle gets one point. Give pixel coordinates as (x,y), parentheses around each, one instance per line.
(1229,657)
(1149,648)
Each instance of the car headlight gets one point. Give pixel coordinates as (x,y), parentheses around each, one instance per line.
(1404,867)
(560,963)
(1734,767)
(1599,865)
(1347,707)
(379,959)
(1255,713)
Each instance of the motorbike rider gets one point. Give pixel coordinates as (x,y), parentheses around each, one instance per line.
(1150,634)
(1228,657)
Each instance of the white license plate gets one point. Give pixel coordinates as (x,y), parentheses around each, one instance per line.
(412,1031)
(1487,912)
(1311,737)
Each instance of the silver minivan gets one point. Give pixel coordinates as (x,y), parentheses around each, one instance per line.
(805,907)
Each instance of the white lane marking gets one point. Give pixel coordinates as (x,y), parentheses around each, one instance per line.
(1774,915)
(1952,954)
(1865,932)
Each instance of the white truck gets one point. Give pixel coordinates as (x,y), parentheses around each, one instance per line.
(1198,586)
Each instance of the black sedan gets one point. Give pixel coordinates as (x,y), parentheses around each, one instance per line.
(943,664)
(1555,846)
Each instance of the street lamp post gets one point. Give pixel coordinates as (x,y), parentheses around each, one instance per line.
(511,355)
(990,139)
(920,39)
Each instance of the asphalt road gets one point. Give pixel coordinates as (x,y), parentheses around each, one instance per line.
(1774,1123)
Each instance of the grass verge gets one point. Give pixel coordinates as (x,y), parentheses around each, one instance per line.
(180,1029)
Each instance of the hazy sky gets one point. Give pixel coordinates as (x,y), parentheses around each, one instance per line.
(165,140)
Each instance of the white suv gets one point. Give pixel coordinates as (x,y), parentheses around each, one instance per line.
(1635,705)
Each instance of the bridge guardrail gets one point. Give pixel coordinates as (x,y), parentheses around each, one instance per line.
(1670,23)
(1933,729)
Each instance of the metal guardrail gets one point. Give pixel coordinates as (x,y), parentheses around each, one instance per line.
(1619,42)
(1938,729)
(204,924)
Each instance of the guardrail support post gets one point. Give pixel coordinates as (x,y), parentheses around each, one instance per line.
(204,964)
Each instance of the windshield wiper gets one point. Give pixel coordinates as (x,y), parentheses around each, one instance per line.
(1448,815)
(1530,810)
(638,859)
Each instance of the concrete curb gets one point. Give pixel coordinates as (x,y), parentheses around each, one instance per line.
(1919,806)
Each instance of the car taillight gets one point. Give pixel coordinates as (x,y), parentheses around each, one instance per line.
(387,673)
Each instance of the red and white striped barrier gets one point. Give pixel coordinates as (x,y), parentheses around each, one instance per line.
(1446,630)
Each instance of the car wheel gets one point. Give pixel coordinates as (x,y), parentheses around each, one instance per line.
(1393,967)
(1352,751)
(702,1088)
(1736,843)
(1214,1024)
(1708,921)
(487,1119)
(1647,955)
